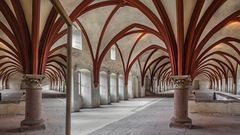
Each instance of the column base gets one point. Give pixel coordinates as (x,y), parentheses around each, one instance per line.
(32,125)
(181,123)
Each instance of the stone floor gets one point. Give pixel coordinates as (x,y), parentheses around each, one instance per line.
(89,120)
(147,116)
(154,120)
(53,114)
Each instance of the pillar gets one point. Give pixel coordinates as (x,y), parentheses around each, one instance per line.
(62,86)
(136,86)
(95,102)
(142,87)
(33,109)
(104,88)
(139,86)
(89,91)
(77,102)
(159,87)
(180,117)
(230,85)
(146,80)
(220,85)
(95,93)
(125,92)
(108,86)
(56,88)
(114,87)
(130,87)
(234,88)
(217,86)
(59,85)
(122,88)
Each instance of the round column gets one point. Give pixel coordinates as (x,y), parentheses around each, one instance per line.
(33,108)
(180,117)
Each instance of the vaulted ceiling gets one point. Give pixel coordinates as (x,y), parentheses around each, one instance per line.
(165,37)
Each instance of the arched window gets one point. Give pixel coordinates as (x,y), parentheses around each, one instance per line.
(113,53)
(77,39)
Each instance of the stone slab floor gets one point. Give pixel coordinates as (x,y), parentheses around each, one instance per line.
(89,120)
(53,114)
(154,120)
(134,117)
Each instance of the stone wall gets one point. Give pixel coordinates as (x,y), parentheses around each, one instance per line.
(12,108)
(203,84)
(225,107)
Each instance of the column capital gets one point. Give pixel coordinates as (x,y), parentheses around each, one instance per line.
(181,82)
(33,81)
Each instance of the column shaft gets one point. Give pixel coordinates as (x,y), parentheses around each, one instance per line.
(33,110)
(180,118)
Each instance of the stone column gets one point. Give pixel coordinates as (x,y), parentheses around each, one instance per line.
(136,87)
(130,87)
(59,85)
(95,101)
(117,87)
(216,85)
(125,92)
(159,85)
(108,86)
(226,86)
(33,110)
(77,102)
(230,84)
(114,87)
(139,86)
(95,93)
(180,118)
(121,87)
(142,87)
(104,88)
(234,88)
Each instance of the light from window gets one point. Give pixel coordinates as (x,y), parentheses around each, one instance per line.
(113,53)
(77,39)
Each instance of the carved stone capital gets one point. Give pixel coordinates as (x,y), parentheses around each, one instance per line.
(33,81)
(181,82)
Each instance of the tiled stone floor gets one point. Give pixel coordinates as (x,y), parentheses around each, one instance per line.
(154,120)
(89,120)
(134,117)
(53,114)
